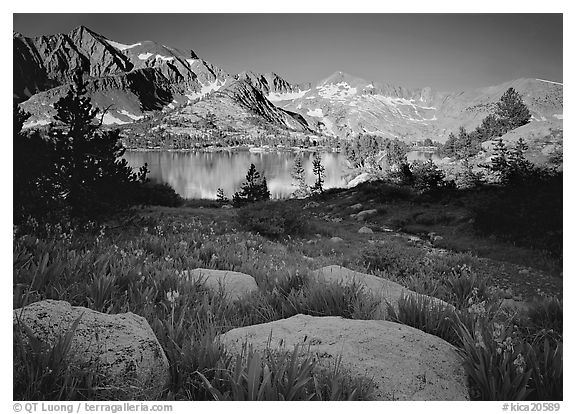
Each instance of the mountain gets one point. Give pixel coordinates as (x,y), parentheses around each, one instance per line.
(135,80)
(346,106)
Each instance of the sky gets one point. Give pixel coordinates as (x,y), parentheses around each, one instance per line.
(448,52)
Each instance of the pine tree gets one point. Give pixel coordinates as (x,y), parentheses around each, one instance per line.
(93,178)
(512,110)
(319,171)
(253,189)
(299,176)
(220,196)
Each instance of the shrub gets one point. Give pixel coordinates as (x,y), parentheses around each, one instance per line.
(273,220)
(427,176)
(158,194)
(526,210)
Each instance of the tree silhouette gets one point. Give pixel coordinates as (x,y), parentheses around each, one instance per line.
(253,189)
(92,176)
(299,175)
(512,110)
(319,172)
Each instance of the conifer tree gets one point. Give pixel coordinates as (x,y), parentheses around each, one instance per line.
(93,178)
(253,189)
(512,110)
(220,196)
(319,172)
(299,176)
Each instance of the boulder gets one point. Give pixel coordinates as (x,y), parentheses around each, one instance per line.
(390,292)
(363,215)
(336,239)
(404,363)
(234,284)
(356,206)
(121,349)
(366,230)
(361,178)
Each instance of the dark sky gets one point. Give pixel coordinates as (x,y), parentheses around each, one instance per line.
(444,51)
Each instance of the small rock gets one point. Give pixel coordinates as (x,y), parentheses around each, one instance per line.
(366,230)
(524,271)
(356,206)
(363,215)
(227,206)
(318,235)
(387,230)
(336,239)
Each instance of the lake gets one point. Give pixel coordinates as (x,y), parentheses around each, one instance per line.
(200,174)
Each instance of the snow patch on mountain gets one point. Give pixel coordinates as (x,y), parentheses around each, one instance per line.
(110,119)
(165,58)
(338,92)
(315,112)
(547,81)
(144,56)
(286,96)
(129,115)
(38,122)
(121,46)
(205,89)
(328,124)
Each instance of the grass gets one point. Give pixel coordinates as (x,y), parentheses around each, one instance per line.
(502,362)
(116,269)
(138,264)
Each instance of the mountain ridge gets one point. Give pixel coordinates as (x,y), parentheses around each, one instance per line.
(137,79)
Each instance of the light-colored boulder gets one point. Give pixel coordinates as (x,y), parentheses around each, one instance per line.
(361,178)
(390,292)
(404,363)
(121,349)
(357,206)
(234,284)
(336,239)
(363,215)
(366,230)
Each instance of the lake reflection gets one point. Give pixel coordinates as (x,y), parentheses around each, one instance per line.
(200,174)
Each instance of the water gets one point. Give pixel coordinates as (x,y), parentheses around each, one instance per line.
(200,174)
(422,156)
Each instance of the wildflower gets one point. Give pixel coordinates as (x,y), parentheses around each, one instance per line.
(172,295)
(478,309)
(520,364)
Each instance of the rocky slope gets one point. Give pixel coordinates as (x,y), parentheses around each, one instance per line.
(346,106)
(134,80)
